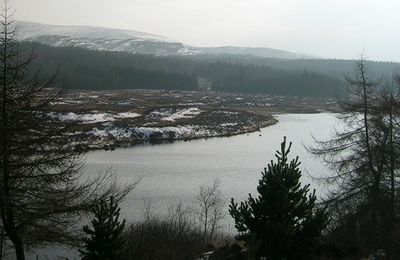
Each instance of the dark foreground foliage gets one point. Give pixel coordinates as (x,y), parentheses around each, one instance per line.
(163,238)
(283,222)
(176,235)
(42,194)
(104,241)
(364,154)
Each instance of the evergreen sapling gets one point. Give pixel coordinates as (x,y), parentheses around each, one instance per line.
(283,221)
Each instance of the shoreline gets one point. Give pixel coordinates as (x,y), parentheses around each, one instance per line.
(152,141)
(253,129)
(107,120)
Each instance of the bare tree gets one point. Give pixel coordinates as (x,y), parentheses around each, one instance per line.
(390,110)
(210,212)
(364,155)
(42,194)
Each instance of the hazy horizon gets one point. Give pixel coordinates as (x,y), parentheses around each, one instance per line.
(339,30)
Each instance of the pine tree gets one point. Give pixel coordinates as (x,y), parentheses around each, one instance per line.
(104,241)
(42,194)
(364,156)
(283,221)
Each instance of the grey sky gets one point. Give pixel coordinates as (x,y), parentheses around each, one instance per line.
(327,28)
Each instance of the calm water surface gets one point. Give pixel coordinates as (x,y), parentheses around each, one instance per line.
(174,172)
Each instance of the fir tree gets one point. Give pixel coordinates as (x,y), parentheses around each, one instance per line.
(104,241)
(42,194)
(283,221)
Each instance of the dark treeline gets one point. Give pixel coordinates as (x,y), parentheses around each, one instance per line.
(86,69)
(336,68)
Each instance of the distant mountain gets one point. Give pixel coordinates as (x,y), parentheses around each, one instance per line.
(100,38)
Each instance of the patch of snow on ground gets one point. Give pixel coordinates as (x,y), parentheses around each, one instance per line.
(120,133)
(85,118)
(183,113)
(191,104)
(127,115)
(125,103)
(159,113)
(73,101)
(226,112)
(92,118)
(97,118)
(98,132)
(147,132)
(171,114)
(228,124)
(58,103)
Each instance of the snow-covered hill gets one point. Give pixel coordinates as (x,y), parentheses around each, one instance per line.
(100,38)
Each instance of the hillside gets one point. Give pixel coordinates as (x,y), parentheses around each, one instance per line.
(103,58)
(85,69)
(99,38)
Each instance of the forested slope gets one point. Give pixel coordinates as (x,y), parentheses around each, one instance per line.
(87,69)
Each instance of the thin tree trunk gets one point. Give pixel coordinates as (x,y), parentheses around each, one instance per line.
(205,228)
(366,125)
(374,191)
(7,211)
(14,238)
(7,218)
(19,250)
(2,246)
(392,188)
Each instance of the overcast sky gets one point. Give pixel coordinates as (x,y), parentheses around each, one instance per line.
(326,28)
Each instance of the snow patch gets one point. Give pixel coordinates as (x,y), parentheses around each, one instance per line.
(146,133)
(226,112)
(169,114)
(127,115)
(184,113)
(228,124)
(91,118)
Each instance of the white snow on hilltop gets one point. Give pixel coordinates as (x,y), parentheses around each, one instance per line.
(100,38)
(30,29)
(109,39)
